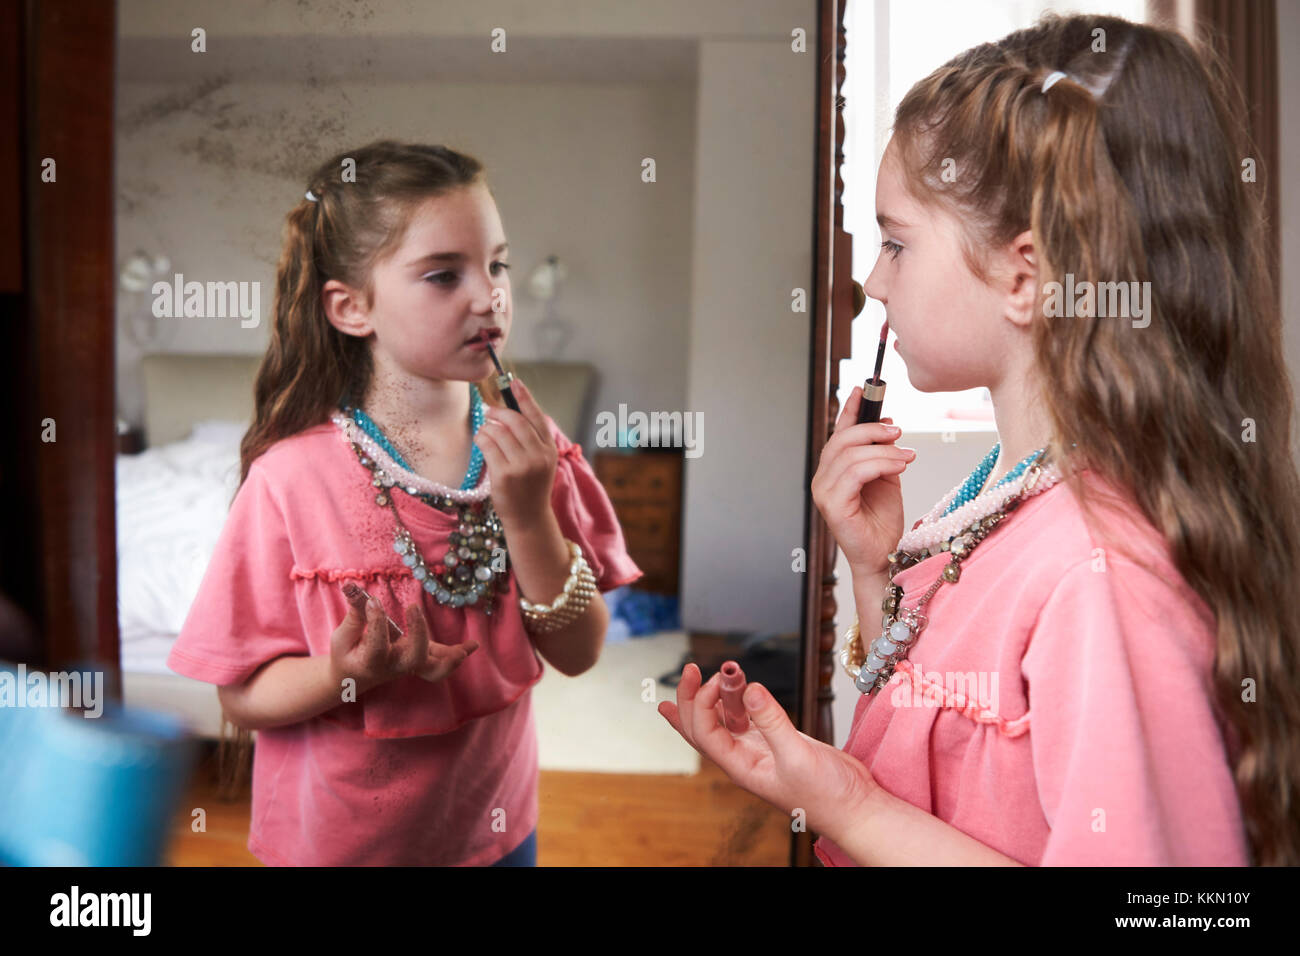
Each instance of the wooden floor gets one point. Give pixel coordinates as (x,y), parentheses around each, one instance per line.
(587,819)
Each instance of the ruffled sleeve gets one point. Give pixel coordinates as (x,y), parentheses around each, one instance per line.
(1129,759)
(586,516)
(245,613)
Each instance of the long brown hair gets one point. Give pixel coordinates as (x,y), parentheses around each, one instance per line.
(1130,169)
(309,365)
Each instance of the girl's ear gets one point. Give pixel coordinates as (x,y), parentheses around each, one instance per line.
(345,309)
(1021,278)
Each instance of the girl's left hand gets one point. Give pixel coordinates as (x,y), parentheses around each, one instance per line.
(520,455)
(772,759)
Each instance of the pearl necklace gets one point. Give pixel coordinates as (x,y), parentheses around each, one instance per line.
(412,483)
(943,522)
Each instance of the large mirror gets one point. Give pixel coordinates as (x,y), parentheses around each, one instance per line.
(653,170)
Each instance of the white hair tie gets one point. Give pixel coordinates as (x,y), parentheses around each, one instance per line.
(310,196)
(1052,78)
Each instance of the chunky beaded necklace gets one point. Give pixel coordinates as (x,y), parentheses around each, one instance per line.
(475,456)
(973,486)
(965,504)
(467,572)
(957,524)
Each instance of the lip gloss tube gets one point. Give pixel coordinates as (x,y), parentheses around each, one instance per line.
(873,397)
(873,389)
(733,692)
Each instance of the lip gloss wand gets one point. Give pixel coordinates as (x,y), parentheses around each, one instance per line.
(873,389)
(504,379)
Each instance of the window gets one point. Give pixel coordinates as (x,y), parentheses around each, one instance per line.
(890,45)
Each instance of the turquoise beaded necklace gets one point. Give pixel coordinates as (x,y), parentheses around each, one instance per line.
(367,424)
(974,484)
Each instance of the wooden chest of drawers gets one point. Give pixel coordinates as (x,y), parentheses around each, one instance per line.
(646,491)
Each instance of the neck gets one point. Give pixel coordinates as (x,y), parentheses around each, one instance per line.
(408,406)
(1022,423)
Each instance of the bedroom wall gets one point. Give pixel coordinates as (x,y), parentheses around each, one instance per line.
(208,183)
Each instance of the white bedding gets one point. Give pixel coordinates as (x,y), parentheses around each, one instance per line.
(171,504)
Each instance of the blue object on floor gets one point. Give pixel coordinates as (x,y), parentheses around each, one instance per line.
(645,612)
(88,791)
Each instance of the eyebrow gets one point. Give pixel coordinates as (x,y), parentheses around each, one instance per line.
(452,256)
(889,221)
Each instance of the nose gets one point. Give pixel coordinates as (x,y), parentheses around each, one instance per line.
(874,287)
(491,296)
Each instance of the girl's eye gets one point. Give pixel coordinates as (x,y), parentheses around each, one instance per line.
(891,247)
(447,277)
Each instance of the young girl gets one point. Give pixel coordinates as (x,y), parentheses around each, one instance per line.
(1088,651)
(399,730)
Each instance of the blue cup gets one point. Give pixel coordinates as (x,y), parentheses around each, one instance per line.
(90,791)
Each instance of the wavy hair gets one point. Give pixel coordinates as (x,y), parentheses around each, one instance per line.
(1130,169)
(309,365)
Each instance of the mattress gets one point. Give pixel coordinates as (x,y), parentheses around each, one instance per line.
(172,501)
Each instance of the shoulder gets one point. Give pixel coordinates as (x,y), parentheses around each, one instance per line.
(298,460)
(1113,579)
(1056,535)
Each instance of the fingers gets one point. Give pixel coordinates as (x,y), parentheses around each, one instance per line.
(864,470)
(868,433)
(417,626)
(411,648)
(492,454)
(533,413)
(375,638)
(442,659)
(356,599)
(352,628)
(849,413)
(508,429)
(670,714)
(829,483)
(708,707)
(687,687)
(349,633)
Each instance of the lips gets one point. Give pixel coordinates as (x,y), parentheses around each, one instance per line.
(492,335)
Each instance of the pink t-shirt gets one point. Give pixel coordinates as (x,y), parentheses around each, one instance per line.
(1058,705)
(412,773)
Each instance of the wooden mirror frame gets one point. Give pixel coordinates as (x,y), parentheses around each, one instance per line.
(832,317)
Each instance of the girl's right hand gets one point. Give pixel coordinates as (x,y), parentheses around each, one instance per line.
(857,489)
(368,649)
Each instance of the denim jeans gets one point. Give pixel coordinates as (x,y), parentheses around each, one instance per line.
(523,855)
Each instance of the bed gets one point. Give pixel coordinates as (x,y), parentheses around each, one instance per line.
(173,497)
